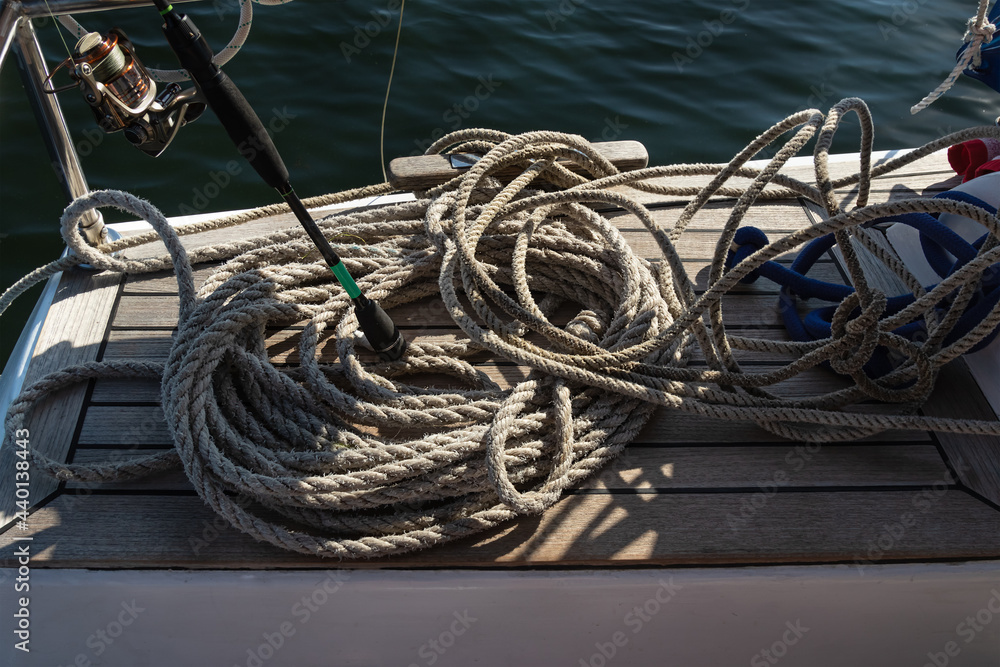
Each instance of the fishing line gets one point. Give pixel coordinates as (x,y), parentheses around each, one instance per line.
(58,26)
(385,104)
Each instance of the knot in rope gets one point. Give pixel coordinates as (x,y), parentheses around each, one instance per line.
(855,332)
(978,33)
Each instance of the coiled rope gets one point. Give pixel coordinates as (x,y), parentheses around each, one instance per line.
(354,460)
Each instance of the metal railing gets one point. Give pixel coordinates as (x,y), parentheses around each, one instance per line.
(17,31)
(37,8)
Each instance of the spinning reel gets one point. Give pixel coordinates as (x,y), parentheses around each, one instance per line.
(122,94)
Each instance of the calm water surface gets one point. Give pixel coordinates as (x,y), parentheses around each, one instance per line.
(693,80)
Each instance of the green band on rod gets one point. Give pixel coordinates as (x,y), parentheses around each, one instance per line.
(346,280)
(163,12)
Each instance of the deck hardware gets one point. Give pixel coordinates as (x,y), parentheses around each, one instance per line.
(420,172)
(463,160)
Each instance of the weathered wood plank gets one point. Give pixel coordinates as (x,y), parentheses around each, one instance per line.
(771,217)
(664,427)
(696,269)
(99,531)
(748,309)
(127,425)
(72,334)
(245,231)
(696,248)
(164,282)
(975,458)
(673,469)
(139,345)
(681,427)
(421,172)
(766,466)
(154,345)
(147,311)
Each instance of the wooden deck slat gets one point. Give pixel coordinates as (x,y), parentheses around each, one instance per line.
(580,530)
(154,345)
(119,424)
(696,248)
(164,282)
(772,217)
(506,376)
(698,271)
(104,425)
(71,335)
(246,231)
(650,469)
(976,458)
(160,312)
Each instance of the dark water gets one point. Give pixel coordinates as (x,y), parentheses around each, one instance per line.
(694,81)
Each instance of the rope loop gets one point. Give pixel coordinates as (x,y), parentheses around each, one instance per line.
(567,342)
(857,332)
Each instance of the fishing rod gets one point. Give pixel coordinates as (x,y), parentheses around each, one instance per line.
(245,129)
(123,97)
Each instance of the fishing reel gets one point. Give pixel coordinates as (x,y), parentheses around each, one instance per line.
(122,94)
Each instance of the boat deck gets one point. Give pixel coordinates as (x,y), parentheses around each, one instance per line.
(688,491)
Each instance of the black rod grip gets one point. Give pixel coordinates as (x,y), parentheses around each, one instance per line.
(225,99)
(379,329)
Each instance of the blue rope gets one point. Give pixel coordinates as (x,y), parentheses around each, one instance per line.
(945,250)
(989,69)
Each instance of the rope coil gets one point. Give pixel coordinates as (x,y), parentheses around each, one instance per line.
(353,459)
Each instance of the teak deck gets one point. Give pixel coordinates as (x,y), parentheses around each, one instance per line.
(688,491)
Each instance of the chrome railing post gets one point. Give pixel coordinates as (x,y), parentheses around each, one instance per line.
(35,8)
(65,161)
(10,12)
(16,29)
